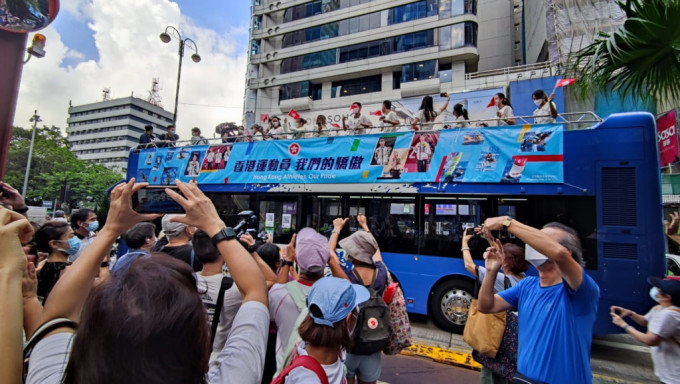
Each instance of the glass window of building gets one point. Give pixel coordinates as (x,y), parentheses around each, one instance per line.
(257,22)
(445,73)
(300,89)
(254,48)
(419,71)
(358,86)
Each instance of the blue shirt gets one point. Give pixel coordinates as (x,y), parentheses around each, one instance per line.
(124,261)
(555,329)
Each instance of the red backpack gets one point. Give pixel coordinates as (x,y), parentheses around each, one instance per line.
(306,362)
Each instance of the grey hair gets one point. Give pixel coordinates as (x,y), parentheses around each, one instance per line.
(569,241)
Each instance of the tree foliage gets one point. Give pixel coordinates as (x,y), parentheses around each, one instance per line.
(53,165)
(640,59)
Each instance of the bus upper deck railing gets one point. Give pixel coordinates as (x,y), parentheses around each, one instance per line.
(575,120)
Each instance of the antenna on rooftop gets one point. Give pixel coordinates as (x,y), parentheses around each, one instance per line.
(154,94)
(106,94)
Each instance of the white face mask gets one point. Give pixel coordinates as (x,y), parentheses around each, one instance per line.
(653,293)
(538,102)
(275,123)
(534,257)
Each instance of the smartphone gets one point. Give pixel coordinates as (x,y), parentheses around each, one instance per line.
(470,231)
(443,94)
(153,199)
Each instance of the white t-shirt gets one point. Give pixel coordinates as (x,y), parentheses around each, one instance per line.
(665,322)
(240,361)
(382,155)
(506,113)
(424,126)
(278,133)
(544,113)
(499,284)
(300,375)
(460,122)
(422,150)
(387,127)
(353,124)
(209,287)
(284,312)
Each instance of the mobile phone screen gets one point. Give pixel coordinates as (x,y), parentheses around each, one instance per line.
(153,199)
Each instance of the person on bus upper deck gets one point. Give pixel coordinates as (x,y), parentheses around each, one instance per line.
(426,113)
(663,327)
(196,138)
(148,136)
(557,309)
(546,111)
(322,129)
(356,123)
(389,119)
(461,115)
(504,113)
(277,131)
(298,131)
(168,139)
(258,134)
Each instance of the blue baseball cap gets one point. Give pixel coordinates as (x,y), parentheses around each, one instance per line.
(331,299)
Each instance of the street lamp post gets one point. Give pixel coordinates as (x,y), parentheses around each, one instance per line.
(166,37)
(35,119)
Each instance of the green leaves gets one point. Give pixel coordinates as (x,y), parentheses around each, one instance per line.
(640,59)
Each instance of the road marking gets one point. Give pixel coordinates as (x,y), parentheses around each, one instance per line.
(609,379)
(442,355)
(616,344)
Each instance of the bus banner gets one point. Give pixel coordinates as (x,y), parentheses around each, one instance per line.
(528,154)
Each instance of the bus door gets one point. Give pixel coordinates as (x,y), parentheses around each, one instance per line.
(518,208)
(319,211)
(278,215)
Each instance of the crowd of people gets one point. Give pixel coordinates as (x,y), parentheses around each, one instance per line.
(357,123)
(166,312)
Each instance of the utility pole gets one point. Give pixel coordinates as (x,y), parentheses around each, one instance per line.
(35,119)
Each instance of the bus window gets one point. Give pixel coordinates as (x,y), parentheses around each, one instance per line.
(228,206)
(445,219)
(278,215)
(320,212)
(392,221)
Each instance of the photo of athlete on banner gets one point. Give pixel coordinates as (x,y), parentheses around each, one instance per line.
(193,165)
(422,148)
(395,166)
(216,158)
(383,150)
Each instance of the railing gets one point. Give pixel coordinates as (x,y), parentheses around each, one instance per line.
(576,120)
(544,67)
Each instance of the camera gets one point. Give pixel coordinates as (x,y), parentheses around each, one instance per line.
(246,224)
(470,231)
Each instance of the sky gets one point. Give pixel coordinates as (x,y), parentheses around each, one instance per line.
(97,44)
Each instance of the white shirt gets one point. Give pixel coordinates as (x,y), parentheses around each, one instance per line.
(422,150)
(208,287)
(391,116)
(423,122)
(278,133)
(353,124)
(382,155)
(544,113)
(665,323)
(460,122)
(506,113)
(335,372)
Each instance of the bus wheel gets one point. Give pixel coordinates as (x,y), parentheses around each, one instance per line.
(450,303)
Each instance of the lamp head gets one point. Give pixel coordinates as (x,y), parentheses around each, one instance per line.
(196,58)
(165,37)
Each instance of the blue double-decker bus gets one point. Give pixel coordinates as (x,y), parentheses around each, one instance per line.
(420,190)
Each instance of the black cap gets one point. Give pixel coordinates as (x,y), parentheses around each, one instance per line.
(148,128)
(668,286)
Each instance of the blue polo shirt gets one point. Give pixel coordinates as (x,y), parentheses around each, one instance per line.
(555,329)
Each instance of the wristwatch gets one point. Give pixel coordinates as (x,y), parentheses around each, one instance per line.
(507,221)
(286,262)
(225,234)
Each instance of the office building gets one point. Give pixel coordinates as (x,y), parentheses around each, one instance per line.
(104,132)
(323,54)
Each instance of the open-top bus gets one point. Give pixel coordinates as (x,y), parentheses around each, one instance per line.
(421,192)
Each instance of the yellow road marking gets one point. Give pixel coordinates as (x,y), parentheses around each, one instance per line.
(442,355)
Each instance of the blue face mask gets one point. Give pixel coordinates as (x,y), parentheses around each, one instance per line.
(73,246)
(93,226)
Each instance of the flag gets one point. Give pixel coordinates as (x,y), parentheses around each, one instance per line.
(334,125)
(564,82)
(492,103)
(264,117)
(294,114)
(376,113)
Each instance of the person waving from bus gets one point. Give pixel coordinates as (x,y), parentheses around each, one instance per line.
(504,113)
(546,111)
(558,308)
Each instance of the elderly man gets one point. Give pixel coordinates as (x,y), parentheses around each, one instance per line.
(179,242)
(557,309)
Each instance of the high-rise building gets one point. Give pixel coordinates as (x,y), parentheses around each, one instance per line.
(104,132)
(322,54)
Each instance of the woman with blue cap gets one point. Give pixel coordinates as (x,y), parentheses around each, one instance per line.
(325,332)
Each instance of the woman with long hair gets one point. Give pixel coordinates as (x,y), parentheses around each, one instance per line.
(321,127)
(426,113)
(55,238)
(546,111)
(504,114)
(461,116)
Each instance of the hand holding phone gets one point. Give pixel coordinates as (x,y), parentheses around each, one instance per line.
(153,199)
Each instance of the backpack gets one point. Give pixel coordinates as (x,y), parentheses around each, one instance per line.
(306,362)
(216,309)
(372,332)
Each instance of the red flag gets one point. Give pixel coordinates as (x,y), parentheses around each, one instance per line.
(376,113)
(334,125)
(294,114)
(492,103)
(564,82)
(264,117)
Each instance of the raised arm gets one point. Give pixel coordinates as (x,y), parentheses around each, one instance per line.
(32,307)
(361,219)
(487,301)
(647,338)
(289,260)
(570,270)
(201,213)
(443,109)
(334,260)
(69,294)
(467,256)
(11,196)
(553,109)
(269,275)
(14,229)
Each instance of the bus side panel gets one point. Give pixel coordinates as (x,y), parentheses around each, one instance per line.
(418,275)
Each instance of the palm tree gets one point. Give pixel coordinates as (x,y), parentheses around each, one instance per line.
(640,59)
